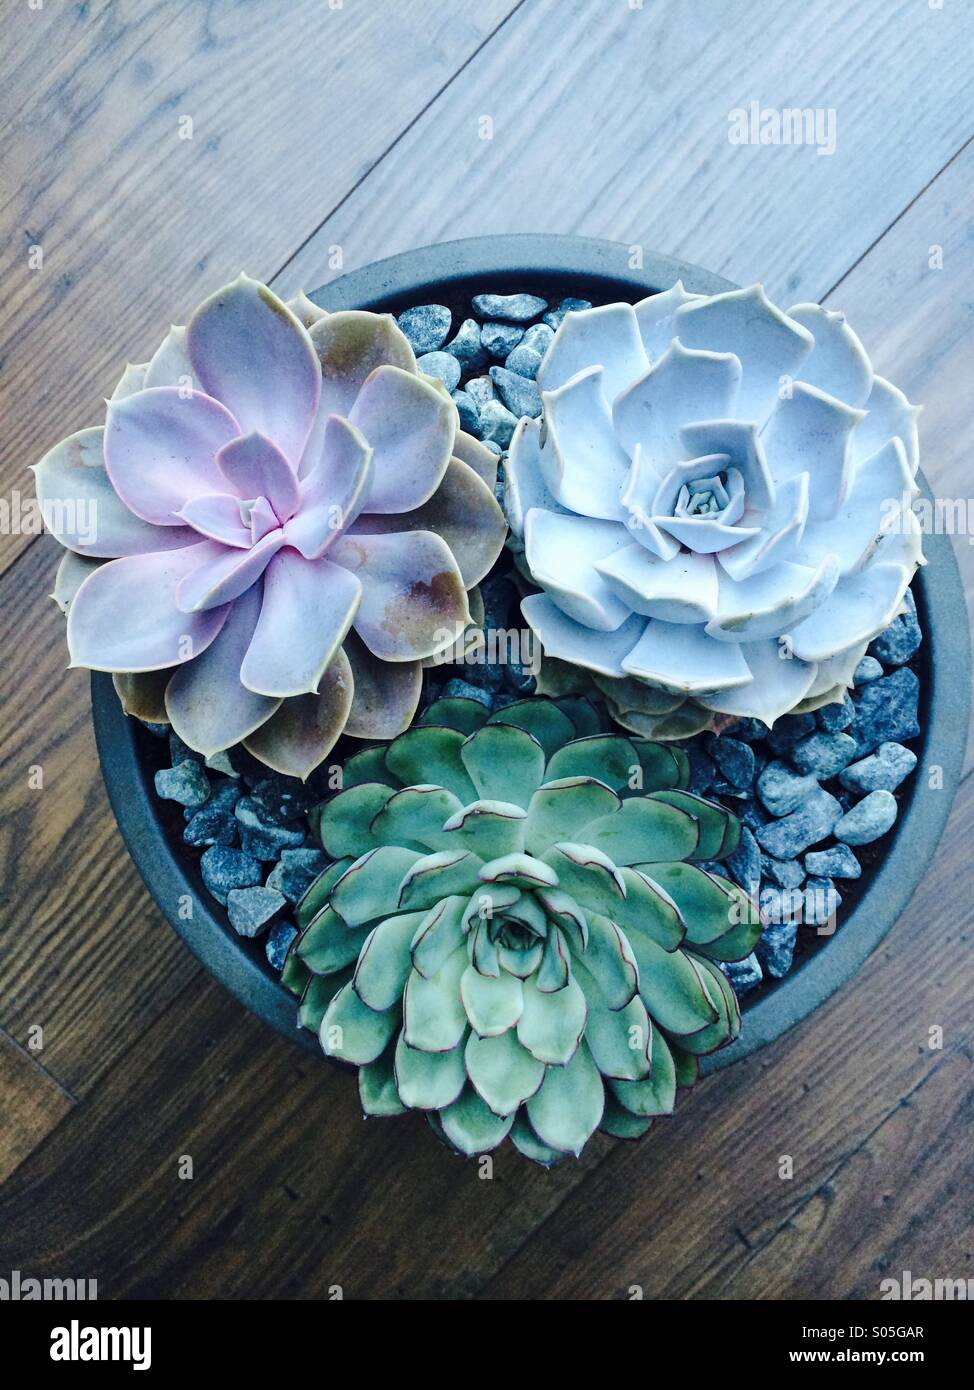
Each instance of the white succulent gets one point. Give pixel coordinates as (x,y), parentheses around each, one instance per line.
(716,502)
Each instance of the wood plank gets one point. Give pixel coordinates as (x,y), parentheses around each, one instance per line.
(855,1230)
(84,952)
(679,1213)
(908,300)
(32,1105)
(291,1191)
(637,149)
(137,224)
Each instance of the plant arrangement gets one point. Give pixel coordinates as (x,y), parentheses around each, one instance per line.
(513,934)
(285,529)
(523,917)
(714,506)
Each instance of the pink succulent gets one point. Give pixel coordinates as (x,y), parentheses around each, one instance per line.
(290,531)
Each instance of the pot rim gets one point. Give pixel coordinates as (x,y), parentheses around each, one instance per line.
(524,261)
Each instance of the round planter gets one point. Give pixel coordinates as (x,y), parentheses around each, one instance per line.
(599,271)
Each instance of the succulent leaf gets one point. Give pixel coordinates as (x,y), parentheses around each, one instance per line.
(551,1025)
(314,478)
(504,763)
(434,1019)
(608,757)
(429,1080)
(543,720)
(353,1032)
(503,1073)
(431,754)
(384,961)
(345,822)
(370,887)
(471,1126)
(456,712)
(567,1109)
(561,809)
(328,944)
(719,513)
(654,1094)
(378,1089)
(539,965)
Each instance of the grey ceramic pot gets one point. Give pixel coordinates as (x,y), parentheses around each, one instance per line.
(599,271)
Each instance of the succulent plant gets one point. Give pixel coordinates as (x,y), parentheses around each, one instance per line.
(716,502)
(282,520)
(514,935)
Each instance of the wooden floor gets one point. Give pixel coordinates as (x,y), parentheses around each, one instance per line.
(320,131)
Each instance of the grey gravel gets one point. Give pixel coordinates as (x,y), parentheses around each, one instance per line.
(886,711)
(869,669)
(786,873)
(788,730)
(251,910)
(735,760)
(749,729)
(822,902)
(224,869)
(782,789)
(260,836)
(214,823)
(836,862)
(538,338)
(744,975)
(520,395)
(516,308)
(481,390)
(554,317)
(497,424)
(745,863)
(468,410)
(703,769)
(295,872)
(500,339)
(186,783)
(466,347)
(823,755)
(883,770)
(808,826)
(867,820)
(426,327)
(282,799)
(278,943)
(776,948)
(524,360)
(901,639)
(832,718)
(442,367)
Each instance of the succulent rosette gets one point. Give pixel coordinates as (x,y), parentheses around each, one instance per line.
(515,935)
(286,523)
(715,504)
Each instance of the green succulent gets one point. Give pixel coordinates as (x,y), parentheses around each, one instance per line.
(514,936)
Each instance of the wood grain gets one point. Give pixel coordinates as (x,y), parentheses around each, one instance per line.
(32,1104)
(291,1191)
(84,952)
(612,121)
(290,106)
